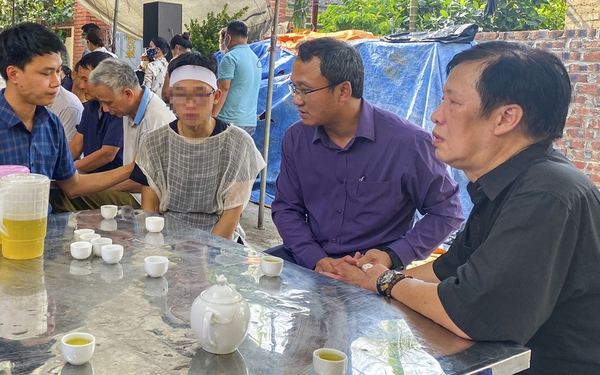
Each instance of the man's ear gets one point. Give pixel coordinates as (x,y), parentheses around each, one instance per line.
(129,93)
(345,90)
(508,117)
(12,73)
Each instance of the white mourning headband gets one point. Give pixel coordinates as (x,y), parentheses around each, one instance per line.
(195,72)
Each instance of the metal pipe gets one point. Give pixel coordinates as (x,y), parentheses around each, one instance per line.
(114,30)
(267,134)
(314,15)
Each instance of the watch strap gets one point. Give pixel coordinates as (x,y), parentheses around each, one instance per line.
(385,288)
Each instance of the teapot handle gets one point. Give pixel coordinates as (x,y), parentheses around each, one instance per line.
(205,333)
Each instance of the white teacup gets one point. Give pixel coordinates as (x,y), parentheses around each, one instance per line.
(155,223)
(328,361)
(112,253)
(89,237)
(81,249)
(78,347)
(156,266)
(78,232)
(108,211)
(271,266)
(97,244)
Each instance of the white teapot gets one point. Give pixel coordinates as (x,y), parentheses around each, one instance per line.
(219,318)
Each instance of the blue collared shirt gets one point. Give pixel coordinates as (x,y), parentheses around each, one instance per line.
(146,96)
(333,201)
(44,150)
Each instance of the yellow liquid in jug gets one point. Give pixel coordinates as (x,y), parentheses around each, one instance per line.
(24,239)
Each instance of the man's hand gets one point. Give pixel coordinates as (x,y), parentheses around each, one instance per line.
(374,256)
(327,265)
(351,274)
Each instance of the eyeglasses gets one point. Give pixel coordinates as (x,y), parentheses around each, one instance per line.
(302,93)
(195,97)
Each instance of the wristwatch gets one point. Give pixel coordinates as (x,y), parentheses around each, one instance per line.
(388,280)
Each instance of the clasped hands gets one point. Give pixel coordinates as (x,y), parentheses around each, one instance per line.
(348,268)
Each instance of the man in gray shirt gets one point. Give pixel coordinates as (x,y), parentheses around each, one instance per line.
(68,108)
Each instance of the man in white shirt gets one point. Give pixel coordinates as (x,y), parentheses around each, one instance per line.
(68,108)
(119,92)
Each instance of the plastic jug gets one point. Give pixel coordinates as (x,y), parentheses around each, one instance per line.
(10,169)
(23,214)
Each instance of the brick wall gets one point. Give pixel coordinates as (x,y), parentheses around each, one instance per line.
(580,52)
(282,6)
(81,17)
(582,14)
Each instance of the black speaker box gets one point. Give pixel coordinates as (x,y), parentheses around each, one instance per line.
(161,19)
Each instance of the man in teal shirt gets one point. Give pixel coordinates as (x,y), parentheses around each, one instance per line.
(239,80)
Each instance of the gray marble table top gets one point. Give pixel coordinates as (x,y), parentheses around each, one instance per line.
(141,324)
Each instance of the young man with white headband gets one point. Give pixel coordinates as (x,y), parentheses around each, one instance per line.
(198,170)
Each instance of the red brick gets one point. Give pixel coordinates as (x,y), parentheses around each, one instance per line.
(581,111)
(595,178)
(576,143)
(573,132)
(596,146)
(580,164)
(574,122)
(593,167)
(591,56)
(594,124)
(520,35)
(587,88)
(576,155)
(591,44)
(559,143)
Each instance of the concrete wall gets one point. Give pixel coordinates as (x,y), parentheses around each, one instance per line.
(580,52)
(582,14)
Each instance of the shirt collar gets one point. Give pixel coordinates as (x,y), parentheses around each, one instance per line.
(146,96)
(496,180)
(8,117)
(365,128)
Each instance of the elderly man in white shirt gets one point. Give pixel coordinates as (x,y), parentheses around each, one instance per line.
(119,92)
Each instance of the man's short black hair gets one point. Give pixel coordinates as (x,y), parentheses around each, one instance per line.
(237,28)
(340,62)
(514,73)
(23,42)
(91,60)
(89,26)
(193,58)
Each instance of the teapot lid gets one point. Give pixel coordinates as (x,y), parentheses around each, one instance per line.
(221,292)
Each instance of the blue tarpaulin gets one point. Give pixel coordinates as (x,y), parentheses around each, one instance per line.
(406,79)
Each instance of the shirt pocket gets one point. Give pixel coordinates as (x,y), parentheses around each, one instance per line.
(379,198)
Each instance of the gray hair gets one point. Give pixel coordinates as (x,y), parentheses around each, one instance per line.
(115,74)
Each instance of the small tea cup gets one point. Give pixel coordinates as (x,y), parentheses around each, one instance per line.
(108,211)
(327,361)
(78,347)
(97,244)
(81,249)
(271,266)
(156,266)
(88,237)
(78,232)
(155,223)
(112,254)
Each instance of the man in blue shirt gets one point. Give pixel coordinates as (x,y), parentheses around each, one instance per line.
(30,135)
(239,80)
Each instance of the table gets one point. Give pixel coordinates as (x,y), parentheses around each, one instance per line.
(141,324)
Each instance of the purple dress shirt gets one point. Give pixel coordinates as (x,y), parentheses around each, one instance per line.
(332,202)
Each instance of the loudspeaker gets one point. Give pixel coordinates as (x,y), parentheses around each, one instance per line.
(161,19)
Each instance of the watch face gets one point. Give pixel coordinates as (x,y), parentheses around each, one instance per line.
(387,277)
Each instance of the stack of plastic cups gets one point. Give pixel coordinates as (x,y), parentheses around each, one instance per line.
(10,169)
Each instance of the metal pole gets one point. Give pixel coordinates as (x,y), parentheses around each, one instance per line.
(114,31)
(314,14)
(414,10)
(267,135)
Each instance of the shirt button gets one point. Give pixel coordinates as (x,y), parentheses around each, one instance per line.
(476,216)
(341,182)
(334,240)
(339,211)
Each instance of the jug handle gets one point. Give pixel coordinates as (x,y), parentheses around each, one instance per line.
(205,333)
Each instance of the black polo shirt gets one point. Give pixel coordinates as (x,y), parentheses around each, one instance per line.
(526,268)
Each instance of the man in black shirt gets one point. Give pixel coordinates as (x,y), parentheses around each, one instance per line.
(526,266)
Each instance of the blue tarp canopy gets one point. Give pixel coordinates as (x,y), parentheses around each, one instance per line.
(406,79)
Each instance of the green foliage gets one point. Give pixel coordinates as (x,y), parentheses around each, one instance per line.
(383,17)
(205,37)
(301,10)
(46,12)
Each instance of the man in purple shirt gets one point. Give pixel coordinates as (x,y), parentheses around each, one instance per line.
(353,175)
